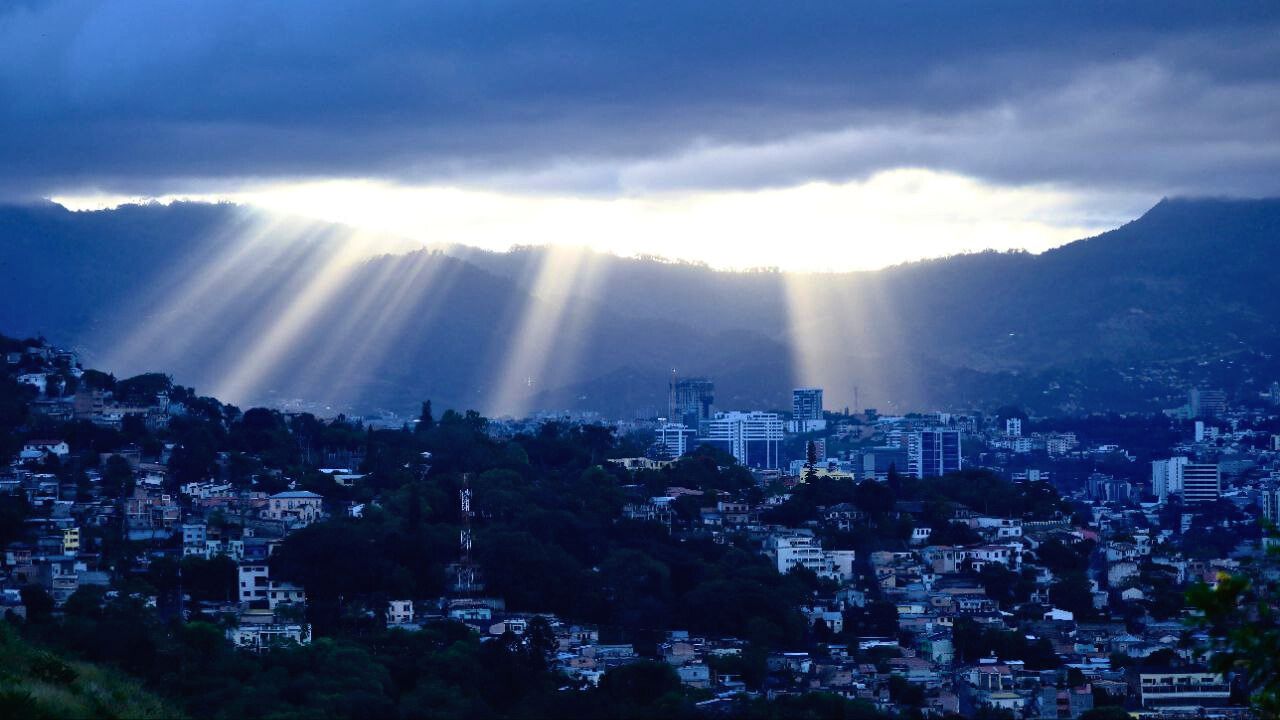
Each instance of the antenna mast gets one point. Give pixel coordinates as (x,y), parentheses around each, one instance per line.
(671,397)
(466,576)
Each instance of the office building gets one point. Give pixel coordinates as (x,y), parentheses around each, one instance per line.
(691,401)
(933,453)
(672,440)
(877,462)
(753,438)
(1201,482)
(1013,427)
(1206,403)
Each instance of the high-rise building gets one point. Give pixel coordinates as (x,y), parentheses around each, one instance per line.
(1206,403)
(1013,427)
(806,403)
(753,438)
(1271,503)
(672,439)
(933,453)
(1166,477)
(691,401)
(1201,482)
(877,462)
(806,411)
(1109,489)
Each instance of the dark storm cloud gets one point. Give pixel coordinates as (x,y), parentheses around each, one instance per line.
(154,97)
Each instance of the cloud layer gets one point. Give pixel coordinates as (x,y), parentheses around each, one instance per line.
(628,97)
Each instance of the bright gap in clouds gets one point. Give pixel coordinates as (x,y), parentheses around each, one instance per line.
(892,217)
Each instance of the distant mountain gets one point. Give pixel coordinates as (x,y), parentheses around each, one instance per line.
(265,311)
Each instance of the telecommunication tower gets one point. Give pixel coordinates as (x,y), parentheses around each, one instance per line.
(466,574)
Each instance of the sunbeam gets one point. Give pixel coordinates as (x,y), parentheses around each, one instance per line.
(168,319)
(411,298)
(335,264)
(845,338)
(540,355)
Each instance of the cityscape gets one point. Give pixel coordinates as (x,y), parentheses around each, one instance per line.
(976,564)
(511,361)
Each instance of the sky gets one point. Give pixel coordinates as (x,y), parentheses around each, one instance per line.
(815,136)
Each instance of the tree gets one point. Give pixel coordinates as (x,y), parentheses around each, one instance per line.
(117,477)
(426,420)
(1244,630)
(998,582)
(39,603)
(1072,592)
(811,462)
(903,692)
(639,684)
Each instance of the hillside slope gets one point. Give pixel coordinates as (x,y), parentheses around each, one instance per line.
(180,287)
(38,684)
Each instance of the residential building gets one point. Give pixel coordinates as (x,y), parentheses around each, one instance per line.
(800,548)
(399,612)
(1166,477)
(260,632)
(298,508)
(194,536)
(806,410)
(257,588)
(1060,443)
(70,540)
(1182,689)
(255,579)
(806,403)
(1271,503)
(59,448)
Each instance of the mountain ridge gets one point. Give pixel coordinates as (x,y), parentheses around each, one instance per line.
(1184,282)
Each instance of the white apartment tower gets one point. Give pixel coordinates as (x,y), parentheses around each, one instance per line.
(754,438)
(1166,477)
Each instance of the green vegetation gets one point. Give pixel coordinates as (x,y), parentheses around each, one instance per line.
(1242,617)
(37,684)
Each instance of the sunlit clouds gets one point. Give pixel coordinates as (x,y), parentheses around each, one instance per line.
(891,217)
(310,260)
